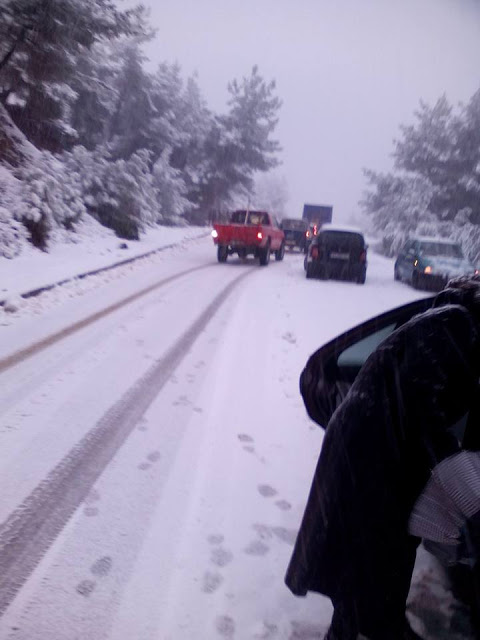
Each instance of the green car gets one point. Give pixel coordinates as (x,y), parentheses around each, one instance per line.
(429,263)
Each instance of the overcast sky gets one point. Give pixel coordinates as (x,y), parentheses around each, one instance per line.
(349,73)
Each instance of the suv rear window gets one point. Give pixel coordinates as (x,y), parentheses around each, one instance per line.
(296,225)
(342,240)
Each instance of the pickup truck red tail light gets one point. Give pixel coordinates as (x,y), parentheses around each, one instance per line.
(259,235)
(315,252)
(363,256)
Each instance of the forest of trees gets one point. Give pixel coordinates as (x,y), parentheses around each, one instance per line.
(86,130)
(434,188)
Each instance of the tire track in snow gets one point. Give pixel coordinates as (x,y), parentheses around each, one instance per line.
(27,352)
(33,527)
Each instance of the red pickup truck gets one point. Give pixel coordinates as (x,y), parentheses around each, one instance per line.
(254,233)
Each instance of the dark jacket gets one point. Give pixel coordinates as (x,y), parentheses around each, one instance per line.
(379,448)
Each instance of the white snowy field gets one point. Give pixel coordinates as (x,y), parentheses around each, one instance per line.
(184,528)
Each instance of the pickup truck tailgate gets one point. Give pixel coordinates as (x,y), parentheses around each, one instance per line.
(238,234)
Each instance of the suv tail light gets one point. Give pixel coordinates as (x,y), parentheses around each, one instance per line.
(363,256)
(314,253)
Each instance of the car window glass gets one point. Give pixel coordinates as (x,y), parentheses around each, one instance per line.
(441,249)
(238,217)
(255,218)
(357,354)
(342,240)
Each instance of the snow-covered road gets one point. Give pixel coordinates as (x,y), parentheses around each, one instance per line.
(155,462)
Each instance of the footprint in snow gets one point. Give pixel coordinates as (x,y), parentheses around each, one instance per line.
(211,581)
(215,538)
(93,496)
(289,337)
(256,548)
(265,631)
(182,401)
(244,437)
(102,566)
(266,490)
(221,557)
(225,626)
(263,531)
(285,535)
(306,631)
(283,505)
(85,587)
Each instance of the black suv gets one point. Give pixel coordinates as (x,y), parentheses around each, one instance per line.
(337,253)
(295,230)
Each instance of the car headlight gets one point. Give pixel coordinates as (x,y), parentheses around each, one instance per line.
(214,233)
(427,269)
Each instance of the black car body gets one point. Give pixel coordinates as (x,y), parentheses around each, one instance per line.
(295,231)
(429,263)
(337,252)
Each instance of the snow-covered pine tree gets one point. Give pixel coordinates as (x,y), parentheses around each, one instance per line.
(130,126)
(13,234)
(120,193)
(397,203)
(51,198)
(240,143)
(40,41)
(96,94)
(435,185)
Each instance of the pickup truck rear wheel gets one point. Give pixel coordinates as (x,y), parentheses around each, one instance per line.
(222,253)
(265,256)
(279,253)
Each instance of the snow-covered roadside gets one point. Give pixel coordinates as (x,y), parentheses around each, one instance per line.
(189,530)
(95,248)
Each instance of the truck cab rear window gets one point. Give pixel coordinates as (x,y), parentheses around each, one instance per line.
(250,217)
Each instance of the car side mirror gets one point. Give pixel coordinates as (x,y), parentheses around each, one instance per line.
(332,369)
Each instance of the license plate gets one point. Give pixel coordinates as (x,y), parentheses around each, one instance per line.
(339,256)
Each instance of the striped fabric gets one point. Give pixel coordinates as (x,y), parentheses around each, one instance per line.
(450,498)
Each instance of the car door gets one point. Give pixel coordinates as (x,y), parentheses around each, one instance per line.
(331,370)
(405,261)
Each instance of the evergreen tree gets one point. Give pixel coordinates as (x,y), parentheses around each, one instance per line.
(130,127)
(40,42)
(96,99)
(435,186)
(240,143)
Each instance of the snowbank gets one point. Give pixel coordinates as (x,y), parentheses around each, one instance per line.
(95,247)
